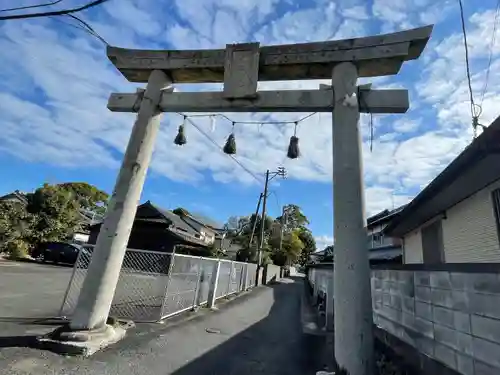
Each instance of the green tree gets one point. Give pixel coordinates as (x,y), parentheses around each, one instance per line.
(294,218)
(56,213)
(296,221)
(309,242)
(51,214)
(243,232)
(291,248)
(88,196)
(15,223)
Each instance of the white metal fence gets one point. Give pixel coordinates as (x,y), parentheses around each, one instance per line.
(155,285)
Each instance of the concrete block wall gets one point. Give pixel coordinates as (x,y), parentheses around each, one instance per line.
(271,273)
(453,317)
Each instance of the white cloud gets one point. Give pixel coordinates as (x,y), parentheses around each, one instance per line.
(406,125)
(358,12)
(133,17)
(55,82)
(393,11)
(323,241)
(398,15)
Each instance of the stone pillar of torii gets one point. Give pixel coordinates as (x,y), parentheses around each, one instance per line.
(240,67)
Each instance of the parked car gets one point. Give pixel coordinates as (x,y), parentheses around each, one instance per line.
(59,252)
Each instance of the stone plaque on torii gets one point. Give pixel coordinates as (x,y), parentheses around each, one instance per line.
(240,67)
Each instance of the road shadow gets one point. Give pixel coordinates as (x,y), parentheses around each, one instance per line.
(19,331)
(18,341)
(273,346)
(33,321)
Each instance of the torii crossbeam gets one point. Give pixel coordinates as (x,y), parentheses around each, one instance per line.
(240,67)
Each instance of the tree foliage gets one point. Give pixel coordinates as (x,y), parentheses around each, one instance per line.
(14,225)
(56,213)
(88,196)
(52,213)
(294,217)
(290,249)
(309,242)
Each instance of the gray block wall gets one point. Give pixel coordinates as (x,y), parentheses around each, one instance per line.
(452,317)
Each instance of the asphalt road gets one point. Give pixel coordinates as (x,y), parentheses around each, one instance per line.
(257,334)
(34,291)
(30,290)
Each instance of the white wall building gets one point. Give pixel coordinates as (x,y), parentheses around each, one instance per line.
(455,219)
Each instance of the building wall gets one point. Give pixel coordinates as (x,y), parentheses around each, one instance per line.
(469,232)
(377,239)
(412,247)
(375,228)
(453,317)
(144,236)
(207,235)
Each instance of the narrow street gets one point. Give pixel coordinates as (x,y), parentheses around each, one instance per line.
(259,333)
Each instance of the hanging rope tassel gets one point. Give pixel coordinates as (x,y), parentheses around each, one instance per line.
(180,138)
(230,146)
(293,147)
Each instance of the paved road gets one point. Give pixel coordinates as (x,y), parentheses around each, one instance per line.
(35,291)
(256,334)
(29,293)
(31,290)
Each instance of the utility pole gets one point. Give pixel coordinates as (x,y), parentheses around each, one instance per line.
(263,220)
(255,220)
(269,176)
(283,221)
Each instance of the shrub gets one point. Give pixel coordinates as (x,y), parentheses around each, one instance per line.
(17,249)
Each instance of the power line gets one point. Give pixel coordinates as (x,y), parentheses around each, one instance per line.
(32,6)
(54,13)
(88,28)
(211,140)
(492,44)
(84,26)
(473,106)
(250,122)
(277,200)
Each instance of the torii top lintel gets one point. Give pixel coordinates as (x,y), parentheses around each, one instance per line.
(374,56)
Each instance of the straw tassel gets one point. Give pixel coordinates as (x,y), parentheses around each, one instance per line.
(230,146)
(293,147)
(180,138)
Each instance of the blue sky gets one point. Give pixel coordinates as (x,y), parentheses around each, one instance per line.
(55,80)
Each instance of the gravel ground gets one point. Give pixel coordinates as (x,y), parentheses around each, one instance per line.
(258,333)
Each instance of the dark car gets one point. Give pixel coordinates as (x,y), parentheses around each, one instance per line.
(59,252)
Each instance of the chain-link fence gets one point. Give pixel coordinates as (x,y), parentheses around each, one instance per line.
(155,285)
(189,278)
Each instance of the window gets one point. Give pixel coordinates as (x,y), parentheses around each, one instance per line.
(376,239)
(432,243)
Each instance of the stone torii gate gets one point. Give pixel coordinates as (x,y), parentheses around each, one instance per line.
(240,67)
